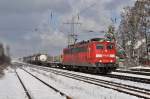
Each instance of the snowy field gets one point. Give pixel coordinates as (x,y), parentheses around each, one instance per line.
(137,84)
(37,89)
(131,75)
(10,87)
(78,89)
(141,67)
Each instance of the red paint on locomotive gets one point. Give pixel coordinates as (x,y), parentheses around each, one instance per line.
(95,52)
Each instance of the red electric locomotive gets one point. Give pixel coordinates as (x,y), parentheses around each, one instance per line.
(97,54)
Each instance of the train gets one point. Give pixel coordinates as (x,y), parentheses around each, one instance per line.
(97,55)
(38,59)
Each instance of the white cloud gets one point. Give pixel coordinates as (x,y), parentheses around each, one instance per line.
(56,39)
(37,31)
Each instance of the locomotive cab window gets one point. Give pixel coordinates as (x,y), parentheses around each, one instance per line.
(110,46)
(99,46)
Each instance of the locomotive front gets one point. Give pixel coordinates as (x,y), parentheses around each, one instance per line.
(105,55)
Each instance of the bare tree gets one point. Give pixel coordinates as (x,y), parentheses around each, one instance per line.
(134,31)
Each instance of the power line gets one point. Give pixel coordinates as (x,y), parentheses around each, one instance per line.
(72,37)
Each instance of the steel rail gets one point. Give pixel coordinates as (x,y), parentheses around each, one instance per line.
(134,72)
(56,90)
(128,89)
(25,89)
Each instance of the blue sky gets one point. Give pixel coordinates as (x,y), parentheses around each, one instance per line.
(27,26)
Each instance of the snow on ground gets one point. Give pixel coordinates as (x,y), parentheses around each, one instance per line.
(78,89)
(141,67)
(37,89)
(10,87)
(132,75)
(142,85)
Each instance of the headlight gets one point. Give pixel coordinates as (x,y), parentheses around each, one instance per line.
(112,55)
(98,55)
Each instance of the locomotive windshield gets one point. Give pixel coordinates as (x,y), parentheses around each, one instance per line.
(97,39)
(99,46)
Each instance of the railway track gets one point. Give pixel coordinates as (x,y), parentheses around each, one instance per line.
(25,89)
(134,72)
(128,89)
(56,90)
(124,77)
(131,78)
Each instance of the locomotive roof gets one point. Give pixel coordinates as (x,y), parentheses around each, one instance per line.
(88,41)
(98,39)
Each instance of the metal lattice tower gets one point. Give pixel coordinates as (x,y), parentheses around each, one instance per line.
(72,36)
